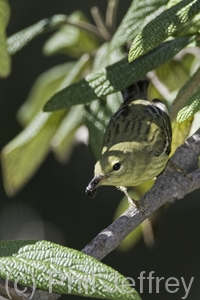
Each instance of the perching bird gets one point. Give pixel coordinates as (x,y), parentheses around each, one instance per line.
(136,144)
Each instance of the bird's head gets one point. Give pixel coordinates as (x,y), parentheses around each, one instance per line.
(111,169)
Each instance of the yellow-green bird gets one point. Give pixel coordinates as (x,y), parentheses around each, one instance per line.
(136,144)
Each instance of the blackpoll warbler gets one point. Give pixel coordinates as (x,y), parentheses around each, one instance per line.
(137,142)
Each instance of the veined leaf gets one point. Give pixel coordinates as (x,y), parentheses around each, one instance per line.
(191,107)
(191,27)
(23,155)
(140,13)
(51,267)
(20,39)
(82,65)
(71,40)
(104,58)
(5,62)
(163,26)
(116,77)
(172,3)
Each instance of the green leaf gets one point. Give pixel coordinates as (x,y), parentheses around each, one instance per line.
(62,142)
(172,3)
(103,57)
(20,39)
(97,117)
(23,155)
(184,94)
(5,62)
(163,26)
(136,18)
(191,27)
(50,82)
(82,65)
(172,76)
(195,124)
(71,40)
(98,113)
(191,107)
(180,133)
(115,77)
(57,269)
(43,88)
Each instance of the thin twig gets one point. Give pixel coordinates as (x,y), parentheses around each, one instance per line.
(111,14)
(169,186)
(98,19)
(86,26)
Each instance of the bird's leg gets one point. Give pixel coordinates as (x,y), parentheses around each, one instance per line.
(178,169)
(131,201)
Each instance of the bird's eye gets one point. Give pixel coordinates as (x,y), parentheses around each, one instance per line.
(116,166)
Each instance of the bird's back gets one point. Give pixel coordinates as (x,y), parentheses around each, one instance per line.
(140,121)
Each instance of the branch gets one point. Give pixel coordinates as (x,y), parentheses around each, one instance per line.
(170,186)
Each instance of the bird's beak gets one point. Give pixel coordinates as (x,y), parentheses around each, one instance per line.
(91,189)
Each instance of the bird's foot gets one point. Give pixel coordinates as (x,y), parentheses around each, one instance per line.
(133,202)
(178,169)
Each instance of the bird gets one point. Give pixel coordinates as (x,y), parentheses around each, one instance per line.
(136,144)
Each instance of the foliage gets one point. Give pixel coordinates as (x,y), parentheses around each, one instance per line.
(5,63)
(87,92)
(63,270)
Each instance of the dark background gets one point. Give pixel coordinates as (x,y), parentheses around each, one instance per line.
(54,206)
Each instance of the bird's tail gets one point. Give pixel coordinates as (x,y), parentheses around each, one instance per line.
(137,90)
